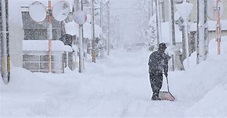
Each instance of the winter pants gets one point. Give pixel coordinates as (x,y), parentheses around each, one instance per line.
(156,79)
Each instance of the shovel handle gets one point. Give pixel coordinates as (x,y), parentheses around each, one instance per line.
(167,83)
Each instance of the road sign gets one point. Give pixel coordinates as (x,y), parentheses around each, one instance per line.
(184,9)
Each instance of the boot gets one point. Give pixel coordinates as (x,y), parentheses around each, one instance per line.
(155,98)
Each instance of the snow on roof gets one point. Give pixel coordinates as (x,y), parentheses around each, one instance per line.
(42,45)
(72,28)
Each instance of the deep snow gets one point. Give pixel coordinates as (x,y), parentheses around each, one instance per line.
(118,86)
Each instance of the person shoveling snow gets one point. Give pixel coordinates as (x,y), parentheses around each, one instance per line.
(158,64)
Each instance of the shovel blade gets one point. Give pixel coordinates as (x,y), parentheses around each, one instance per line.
(165,95)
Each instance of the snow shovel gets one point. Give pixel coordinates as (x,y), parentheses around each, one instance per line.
(166,95)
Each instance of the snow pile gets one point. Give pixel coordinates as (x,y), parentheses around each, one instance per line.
(212,84)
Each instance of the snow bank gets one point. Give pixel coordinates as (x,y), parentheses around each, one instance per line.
(211,86)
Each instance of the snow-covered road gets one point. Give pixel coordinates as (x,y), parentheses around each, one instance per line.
(117,86)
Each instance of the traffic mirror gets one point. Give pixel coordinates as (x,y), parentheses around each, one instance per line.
(61,10)
(80,17)
(37,11)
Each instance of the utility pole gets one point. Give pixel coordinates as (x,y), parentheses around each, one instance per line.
(202,30)
(171,22)
(162,10)
(158,22)
(93,33)
(101,10)
(49,33)
(172,30)
(152,7)
(4,35)
(218,30)
(108,33)
(206,29)
(81,49)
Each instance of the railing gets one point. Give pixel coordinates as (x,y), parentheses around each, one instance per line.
(39,63)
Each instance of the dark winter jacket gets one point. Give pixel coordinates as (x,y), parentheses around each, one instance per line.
(158,62)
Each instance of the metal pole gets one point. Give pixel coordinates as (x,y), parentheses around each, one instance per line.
(5,56)
(81,43)
(152,7)
(101,9)
(172,26)
(81,48)
(101,17)
(49,33)
(149,9)
(108,51)
(218,31)
(93,34)
(186,40)
(157,21)
(171,30)
(201,27)
(170,23)
(197,41)
(206,45)
(162,10)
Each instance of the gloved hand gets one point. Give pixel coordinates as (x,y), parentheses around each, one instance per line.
(166,74)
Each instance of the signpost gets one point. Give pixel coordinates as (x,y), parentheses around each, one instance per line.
(80,18)
(38,13)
